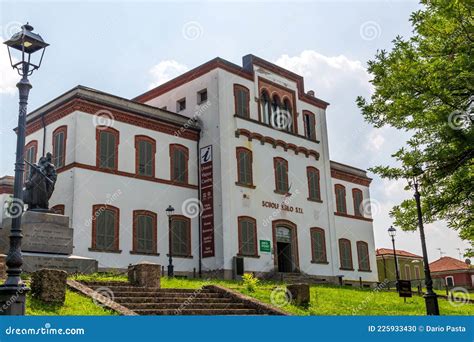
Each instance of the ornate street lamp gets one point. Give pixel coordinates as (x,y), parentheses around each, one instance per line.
(21,47)
(392,232)
(169,213)
(431,299)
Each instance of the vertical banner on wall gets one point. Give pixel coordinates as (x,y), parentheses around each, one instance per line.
(207,200)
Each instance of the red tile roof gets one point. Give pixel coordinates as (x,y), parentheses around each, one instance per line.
(399,252)
(448,264)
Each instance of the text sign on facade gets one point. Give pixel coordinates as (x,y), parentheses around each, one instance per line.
(207,200)
(265,246)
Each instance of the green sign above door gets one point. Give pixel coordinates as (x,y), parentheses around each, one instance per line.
(265,246)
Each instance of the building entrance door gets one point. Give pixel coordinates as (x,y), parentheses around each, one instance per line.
(284,250)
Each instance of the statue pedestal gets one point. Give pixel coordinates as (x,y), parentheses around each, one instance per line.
(47,243)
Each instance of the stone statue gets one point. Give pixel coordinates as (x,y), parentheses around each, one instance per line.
(40,185)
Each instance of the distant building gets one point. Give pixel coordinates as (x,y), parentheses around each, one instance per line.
(6,191)
(453,272)
(410,265)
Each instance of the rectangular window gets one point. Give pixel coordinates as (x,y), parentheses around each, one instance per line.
(363,255)
(202,96)
(181,105)
(145,232)
(345,254)
(407,272)
(319,245)
(340,199)
(281,175)
(242,101)
(59,146)
(180,233)
(108,141)
(106,228)
(309,125)
(247,236)
(179,163)
(313,184)
(244,166)
(357,199)
(145,156)
(30,156)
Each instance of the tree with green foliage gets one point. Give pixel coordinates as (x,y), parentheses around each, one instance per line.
(424,86)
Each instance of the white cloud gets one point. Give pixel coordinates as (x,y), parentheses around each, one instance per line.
(375,140)
(328,74)
(8,76)
(165,71)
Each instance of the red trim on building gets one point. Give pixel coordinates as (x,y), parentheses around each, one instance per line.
(306,133)
(188,228)
(351,268)
(238,151)
(343,188)
(360,243)
(277,160)
(349,177)
(310,169)
(247,91)
(357,211)
(58,209)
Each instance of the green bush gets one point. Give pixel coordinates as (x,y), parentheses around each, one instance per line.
(250,282)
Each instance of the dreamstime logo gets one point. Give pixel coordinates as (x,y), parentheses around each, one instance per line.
(14,208)
(10,29)
(281,296)
(458,120)
(103,119)
(370,30)
(103,296)
(459,297)
(192,30)
(369,207)
(192,208)
(281,119)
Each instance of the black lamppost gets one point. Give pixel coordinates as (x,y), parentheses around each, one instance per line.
(392,232)
(431,299)
(169,212)
(24,44)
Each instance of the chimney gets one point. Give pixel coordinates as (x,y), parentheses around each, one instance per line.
(310,93)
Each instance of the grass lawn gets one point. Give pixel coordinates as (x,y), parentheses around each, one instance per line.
(332,300)
(75,305)
(325,300)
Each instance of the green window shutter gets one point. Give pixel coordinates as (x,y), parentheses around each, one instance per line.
(179,237)
(107,157)
(145,234)
(105,230)
(145,158)
(319,246)
(247,236)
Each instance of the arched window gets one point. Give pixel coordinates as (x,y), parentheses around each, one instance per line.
(179,156)
(107,148)
(144,232)
(244,166)
(242,101)
(105,228)
(247,236)
(345,254)
(58,209)
(314,190)
(145,149)
(363,256)
(280,166)
(275,116)
(318,245)
(309,125)
(31,150)
(265,107)
(287,116)
(59,146)
(340,199)
(357,199)
(180,236)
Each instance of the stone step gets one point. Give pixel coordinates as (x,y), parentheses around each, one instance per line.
(158,294)
(182,306)
(148,289)
(105,283)
(180,300)
(196,312)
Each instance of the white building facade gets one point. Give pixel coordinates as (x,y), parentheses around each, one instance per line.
(240,153)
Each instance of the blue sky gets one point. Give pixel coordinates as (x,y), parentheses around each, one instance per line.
(125,47)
